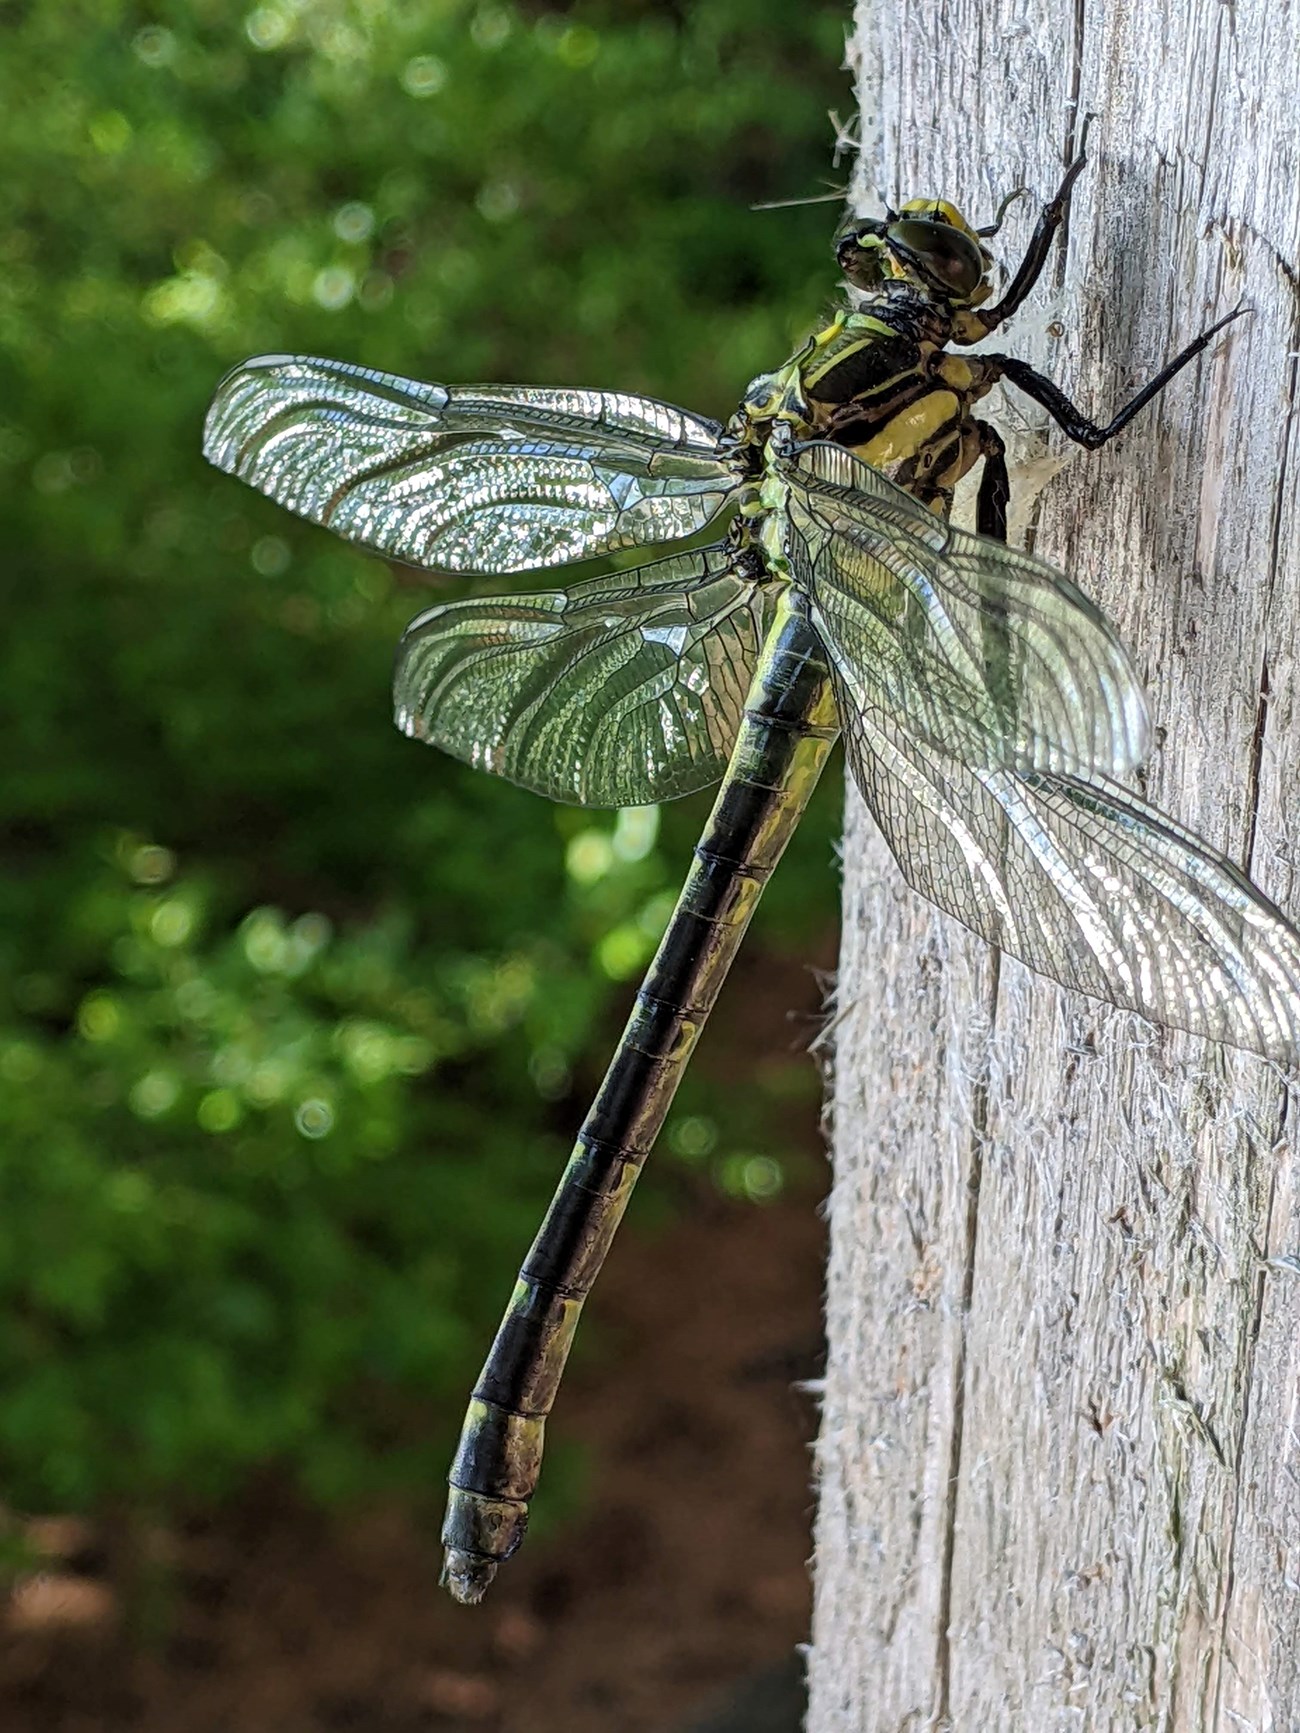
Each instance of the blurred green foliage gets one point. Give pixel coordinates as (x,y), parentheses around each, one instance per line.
(297,1017)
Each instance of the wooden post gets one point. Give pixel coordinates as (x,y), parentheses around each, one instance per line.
(1059,1461)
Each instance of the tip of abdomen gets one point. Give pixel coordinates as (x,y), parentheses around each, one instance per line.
(479,1531)
(467,1575)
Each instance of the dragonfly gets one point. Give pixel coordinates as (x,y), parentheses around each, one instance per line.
(992,719)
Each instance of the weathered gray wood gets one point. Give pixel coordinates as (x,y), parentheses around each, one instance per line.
(1060,1455)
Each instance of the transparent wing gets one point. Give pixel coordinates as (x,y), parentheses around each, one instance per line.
(1085,883)
(623,690)
(982,651)
(490,478)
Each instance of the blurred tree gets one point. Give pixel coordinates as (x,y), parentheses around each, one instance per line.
(297,1016)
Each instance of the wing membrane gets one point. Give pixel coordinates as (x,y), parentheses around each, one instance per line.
(981,650)
(621,691)
(1085,883)
(492,478)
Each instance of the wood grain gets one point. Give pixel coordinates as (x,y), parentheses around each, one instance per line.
(1059,1461)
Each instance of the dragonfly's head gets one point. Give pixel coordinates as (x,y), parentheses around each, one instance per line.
(928,243)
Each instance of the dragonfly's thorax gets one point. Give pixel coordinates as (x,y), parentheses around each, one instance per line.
(879,380)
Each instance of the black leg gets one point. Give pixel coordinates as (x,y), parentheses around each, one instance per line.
(1072,420)
(999,652)
(995,488)
(1031,266)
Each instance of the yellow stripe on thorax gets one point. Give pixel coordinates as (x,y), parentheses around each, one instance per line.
(844,337)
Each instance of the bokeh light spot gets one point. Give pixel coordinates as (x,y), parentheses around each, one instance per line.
(314,1118)
(99,1017)
(622,952)
(269,556)
(589,856)
(759,1178)
(354,222)
(172,922)
(497,201)
(219,1110)
(154,45)
(151,864)
(425,75)
(154,1094)
(333,288)
(20,1061)
(267,28)
(635,831)
(693,1136)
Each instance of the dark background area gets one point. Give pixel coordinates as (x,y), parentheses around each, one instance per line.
(297,1018)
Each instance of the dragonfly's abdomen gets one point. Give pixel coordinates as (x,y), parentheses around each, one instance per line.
(789,726)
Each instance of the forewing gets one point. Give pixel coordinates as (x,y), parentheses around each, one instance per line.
(621,691)
(981,650)
(492,478)
(1085,883)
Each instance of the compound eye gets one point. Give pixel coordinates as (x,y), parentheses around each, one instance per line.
(949,258)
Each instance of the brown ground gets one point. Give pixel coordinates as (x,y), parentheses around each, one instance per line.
(686,1572)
